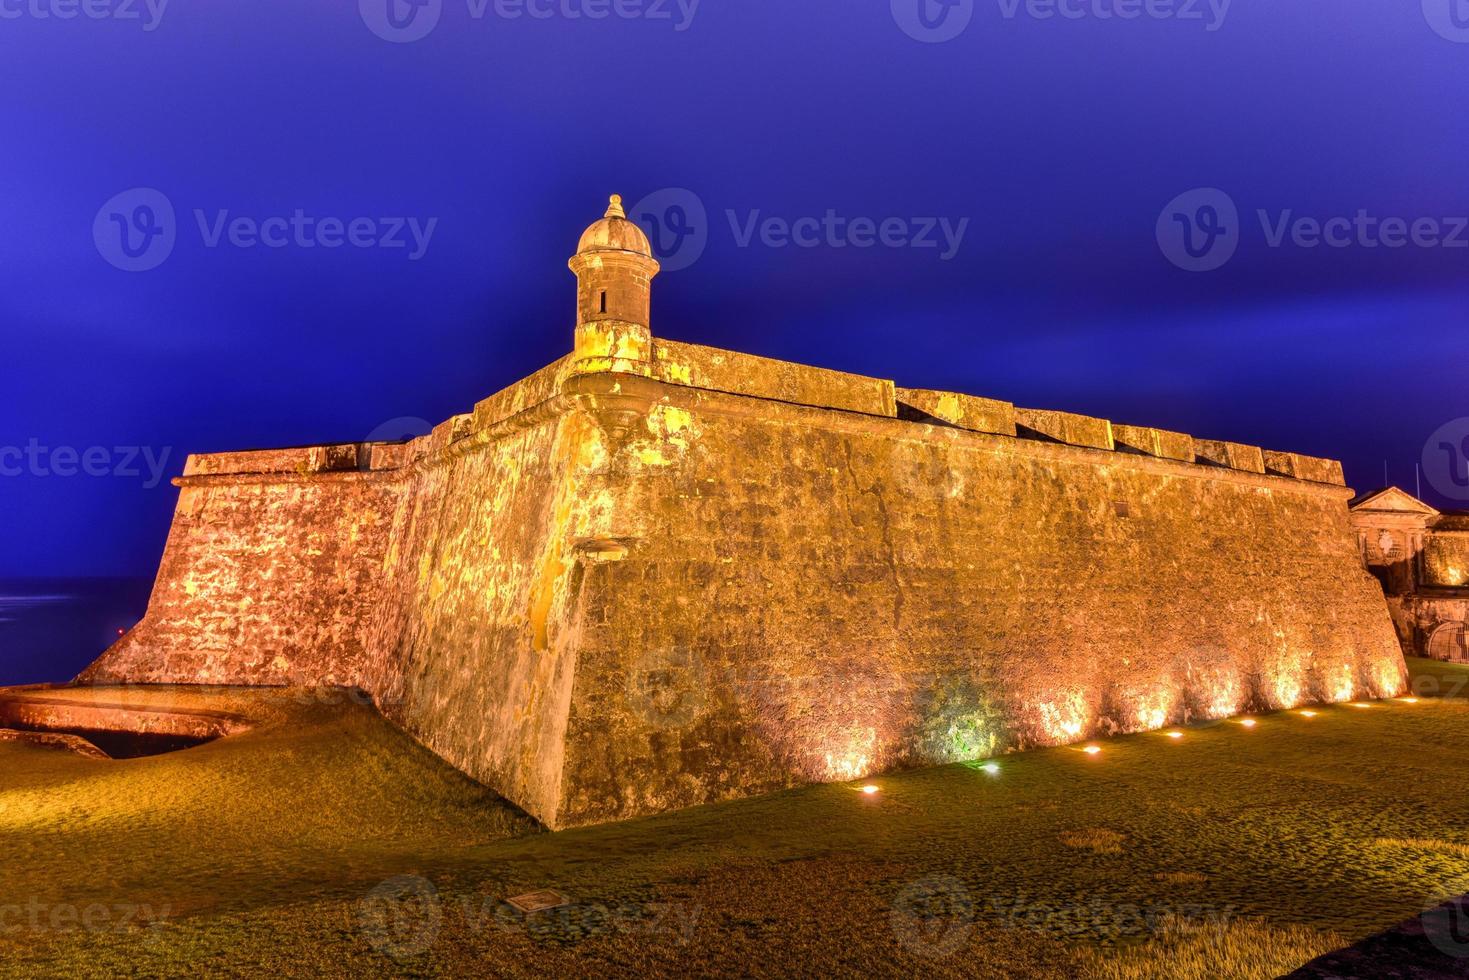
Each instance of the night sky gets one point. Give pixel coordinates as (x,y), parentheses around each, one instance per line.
(1056,145)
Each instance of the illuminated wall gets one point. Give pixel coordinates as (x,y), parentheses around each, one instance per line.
(820,595)
(612,594)
(1446,560)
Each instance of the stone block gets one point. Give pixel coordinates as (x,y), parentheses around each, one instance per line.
(1299,467)
(1073,430)
(1235,456)
(1154,442)
(745,374)
(964,411)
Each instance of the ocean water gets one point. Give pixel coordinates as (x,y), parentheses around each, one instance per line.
(50,629)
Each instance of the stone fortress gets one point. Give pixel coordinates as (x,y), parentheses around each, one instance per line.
(1421,557)
(654,574)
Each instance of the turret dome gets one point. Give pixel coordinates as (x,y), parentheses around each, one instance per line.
(615,233)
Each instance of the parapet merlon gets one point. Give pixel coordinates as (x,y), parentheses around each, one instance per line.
(750,376)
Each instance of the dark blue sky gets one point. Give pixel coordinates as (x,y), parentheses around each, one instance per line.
(1060,139)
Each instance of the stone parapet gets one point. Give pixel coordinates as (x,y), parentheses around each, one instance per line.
(1299,467)
(1154,442)
(763,377)
(964,411)
(1233,455)
(1066,427)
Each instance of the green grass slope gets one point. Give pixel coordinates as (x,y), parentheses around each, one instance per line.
(327,844)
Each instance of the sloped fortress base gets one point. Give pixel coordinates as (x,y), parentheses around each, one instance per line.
(654,575)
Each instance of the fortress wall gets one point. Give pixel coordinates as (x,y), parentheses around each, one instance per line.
(480,639)
(818,596)
(1154,442)
(266,578)
(1065,427)
(1446,559)
(439,575)
(763,377)
(963,411)
(742,593)
(1300,467)
(1231,455)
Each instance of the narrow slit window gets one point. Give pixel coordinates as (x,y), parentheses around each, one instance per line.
(604,301)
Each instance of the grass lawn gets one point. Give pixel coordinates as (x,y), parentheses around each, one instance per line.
(324,842)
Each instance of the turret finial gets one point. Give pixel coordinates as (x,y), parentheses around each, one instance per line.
(614,210)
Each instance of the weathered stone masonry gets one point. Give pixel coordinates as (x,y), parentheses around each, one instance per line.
(1421,557)
(655,574)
